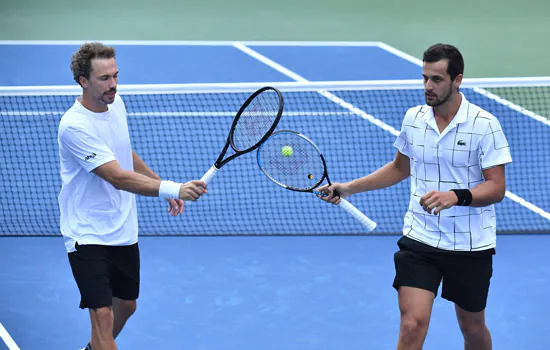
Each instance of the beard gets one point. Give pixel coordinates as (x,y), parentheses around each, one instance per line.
(105,98)
(439,100)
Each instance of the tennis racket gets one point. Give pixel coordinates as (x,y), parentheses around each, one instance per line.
(293,161)
(254,122)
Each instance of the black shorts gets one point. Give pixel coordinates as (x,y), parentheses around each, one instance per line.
(103,272)
(465,275)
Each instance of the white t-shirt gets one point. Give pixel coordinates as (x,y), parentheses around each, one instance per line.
(92,210)
(453,159)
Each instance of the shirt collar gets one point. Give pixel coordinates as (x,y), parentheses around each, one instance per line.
(460,117)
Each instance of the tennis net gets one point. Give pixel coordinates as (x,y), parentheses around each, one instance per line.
(179,131)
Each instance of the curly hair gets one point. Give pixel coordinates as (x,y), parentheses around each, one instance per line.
(81,61)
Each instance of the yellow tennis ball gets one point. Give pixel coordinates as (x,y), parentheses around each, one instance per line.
(287,151)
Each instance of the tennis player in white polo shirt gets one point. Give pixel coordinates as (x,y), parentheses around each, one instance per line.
(455,153)
(100,176)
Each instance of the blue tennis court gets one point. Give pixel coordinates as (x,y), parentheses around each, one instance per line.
(296,290)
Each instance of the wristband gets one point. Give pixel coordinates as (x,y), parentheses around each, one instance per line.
(169,189)
(464,197)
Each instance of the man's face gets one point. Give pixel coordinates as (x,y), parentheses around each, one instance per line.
(438,86)
(103,81)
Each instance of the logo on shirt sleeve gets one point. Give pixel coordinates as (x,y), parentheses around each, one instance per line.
(91,156)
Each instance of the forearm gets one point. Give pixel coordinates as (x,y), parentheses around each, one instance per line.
(137,183)
(131,181)
(487,193)
(388,175)
(142,168)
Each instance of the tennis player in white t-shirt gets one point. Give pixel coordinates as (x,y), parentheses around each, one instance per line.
(455,153)
(100,176)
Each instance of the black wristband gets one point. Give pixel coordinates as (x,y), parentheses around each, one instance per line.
(464,197)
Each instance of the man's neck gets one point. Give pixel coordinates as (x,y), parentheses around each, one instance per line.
(88,103)
(449,109)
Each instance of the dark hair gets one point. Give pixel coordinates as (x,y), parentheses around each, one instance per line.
(440,52)
(81,61)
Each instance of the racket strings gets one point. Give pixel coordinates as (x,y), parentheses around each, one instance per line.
(300,167)
(256,120)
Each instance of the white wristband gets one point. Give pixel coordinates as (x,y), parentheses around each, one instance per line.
(169,189)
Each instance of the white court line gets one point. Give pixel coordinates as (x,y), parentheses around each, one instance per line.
(270,63)
(326,94)
(400,54)
(512,105)
(312,43)
(528,205)
(192,43)
(479,90)
(367,116)
(7,338)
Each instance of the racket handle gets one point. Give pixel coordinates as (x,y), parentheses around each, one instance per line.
(207,177)
(210,174)
(368,223)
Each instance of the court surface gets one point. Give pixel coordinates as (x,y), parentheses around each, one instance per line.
(260,292)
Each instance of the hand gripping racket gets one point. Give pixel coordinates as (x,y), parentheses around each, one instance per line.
(294,162)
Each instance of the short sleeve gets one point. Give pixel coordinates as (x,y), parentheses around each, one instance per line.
(494,146)
(401,141)
(88,149)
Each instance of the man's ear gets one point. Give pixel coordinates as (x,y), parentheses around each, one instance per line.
(83,81)
(458,81)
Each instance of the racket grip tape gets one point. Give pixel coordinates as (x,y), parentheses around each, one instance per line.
(210,174)
(368,223)
(207,177)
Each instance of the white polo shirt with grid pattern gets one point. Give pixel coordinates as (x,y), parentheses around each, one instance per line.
(453,159)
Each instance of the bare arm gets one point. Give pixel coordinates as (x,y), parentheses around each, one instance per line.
(137,183)
(388,175)
(492,190)
(142,168)
(126,180)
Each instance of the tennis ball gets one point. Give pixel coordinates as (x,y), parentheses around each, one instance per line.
(287,151)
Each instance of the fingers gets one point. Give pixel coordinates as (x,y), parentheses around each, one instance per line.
(426,197)
(439,209)
(434,202)
(171,204)
(192,190)
(430,203)
(428,200)
(328,194)
(323,188)
(181,205)
(199,183)
(433,205)
(175,206)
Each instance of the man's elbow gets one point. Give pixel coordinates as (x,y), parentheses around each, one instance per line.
(116,177)
(501,194)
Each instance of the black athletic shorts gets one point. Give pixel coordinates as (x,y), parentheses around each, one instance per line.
(465,275)
(102,272)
